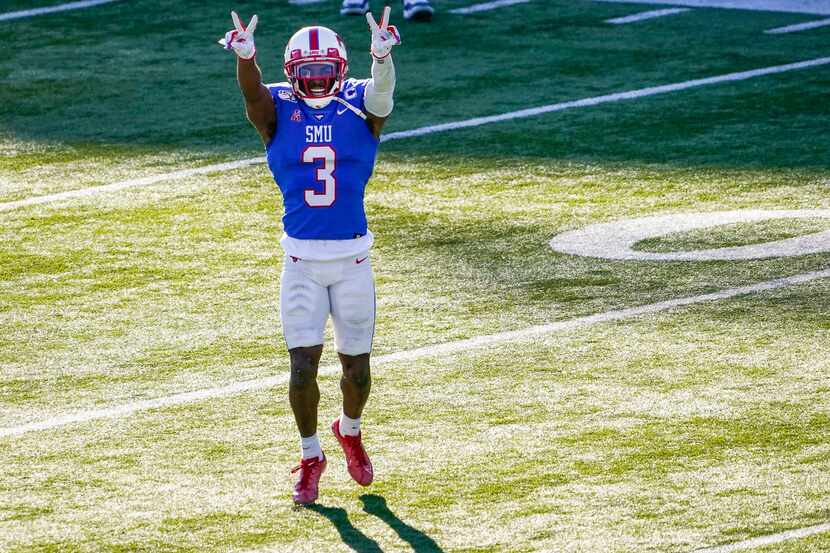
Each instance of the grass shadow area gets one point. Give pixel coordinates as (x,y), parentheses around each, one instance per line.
(186,99)
(351,536)
(417,540)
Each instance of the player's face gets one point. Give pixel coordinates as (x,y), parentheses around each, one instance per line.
(317,77)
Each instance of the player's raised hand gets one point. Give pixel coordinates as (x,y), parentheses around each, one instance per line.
(384,36)
(240,39)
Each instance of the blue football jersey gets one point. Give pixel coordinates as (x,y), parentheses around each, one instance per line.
(321,159)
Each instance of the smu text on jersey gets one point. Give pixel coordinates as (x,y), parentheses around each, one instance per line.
(317,133)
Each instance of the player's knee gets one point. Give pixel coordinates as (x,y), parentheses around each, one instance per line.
(356,370)
(303,368)
(302,375)
(360,378)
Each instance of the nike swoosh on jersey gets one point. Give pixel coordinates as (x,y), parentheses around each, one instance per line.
(359,261)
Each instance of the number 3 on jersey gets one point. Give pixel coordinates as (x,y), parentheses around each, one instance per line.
(324,174)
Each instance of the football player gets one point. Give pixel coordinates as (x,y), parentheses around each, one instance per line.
(413,10)
(321,132)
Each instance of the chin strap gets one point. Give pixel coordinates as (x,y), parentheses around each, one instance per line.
(355,110)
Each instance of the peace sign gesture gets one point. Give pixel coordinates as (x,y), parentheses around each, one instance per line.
(241,38)
(385,36)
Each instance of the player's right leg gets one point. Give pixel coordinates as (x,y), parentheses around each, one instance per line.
(304,308)
(305,396)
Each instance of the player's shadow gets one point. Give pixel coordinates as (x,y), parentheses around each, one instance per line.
(350,535)
(360,542)
(420,542)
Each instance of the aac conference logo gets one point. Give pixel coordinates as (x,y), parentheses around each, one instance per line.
(616,239)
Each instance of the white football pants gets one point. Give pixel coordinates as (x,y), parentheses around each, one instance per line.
(310,290)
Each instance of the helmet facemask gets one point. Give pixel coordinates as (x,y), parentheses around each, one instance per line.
(316,81)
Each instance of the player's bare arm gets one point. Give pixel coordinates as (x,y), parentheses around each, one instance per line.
(259,105)
(381,88)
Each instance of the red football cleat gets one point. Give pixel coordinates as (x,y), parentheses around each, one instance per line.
(358,463)
(305,490)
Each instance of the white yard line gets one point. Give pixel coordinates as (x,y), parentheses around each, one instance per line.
(486,6)
(304,2)
(768,540)
(642,16)
(132,183)
(475,122)
(798,27)
(616,97)
(52,9)
(817,7)
(410,355)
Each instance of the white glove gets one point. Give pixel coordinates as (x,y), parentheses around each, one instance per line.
(384,37)
(240,39)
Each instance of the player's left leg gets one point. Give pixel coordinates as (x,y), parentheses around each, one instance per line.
(355,383)
(353,314)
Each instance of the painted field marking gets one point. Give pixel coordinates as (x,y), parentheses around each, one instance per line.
(768,540)
(798,27)
(410,355)
(475,122)
(304,2)
(616,97)
(52,9)
(642,16)
(486,6)
(131,183)
(817,7)
(616,239)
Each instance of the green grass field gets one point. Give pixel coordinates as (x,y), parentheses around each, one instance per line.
(673,431)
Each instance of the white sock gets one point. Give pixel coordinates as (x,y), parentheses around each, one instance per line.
(310,447)
(349,426)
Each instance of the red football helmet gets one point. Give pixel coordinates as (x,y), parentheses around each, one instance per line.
(316,64)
